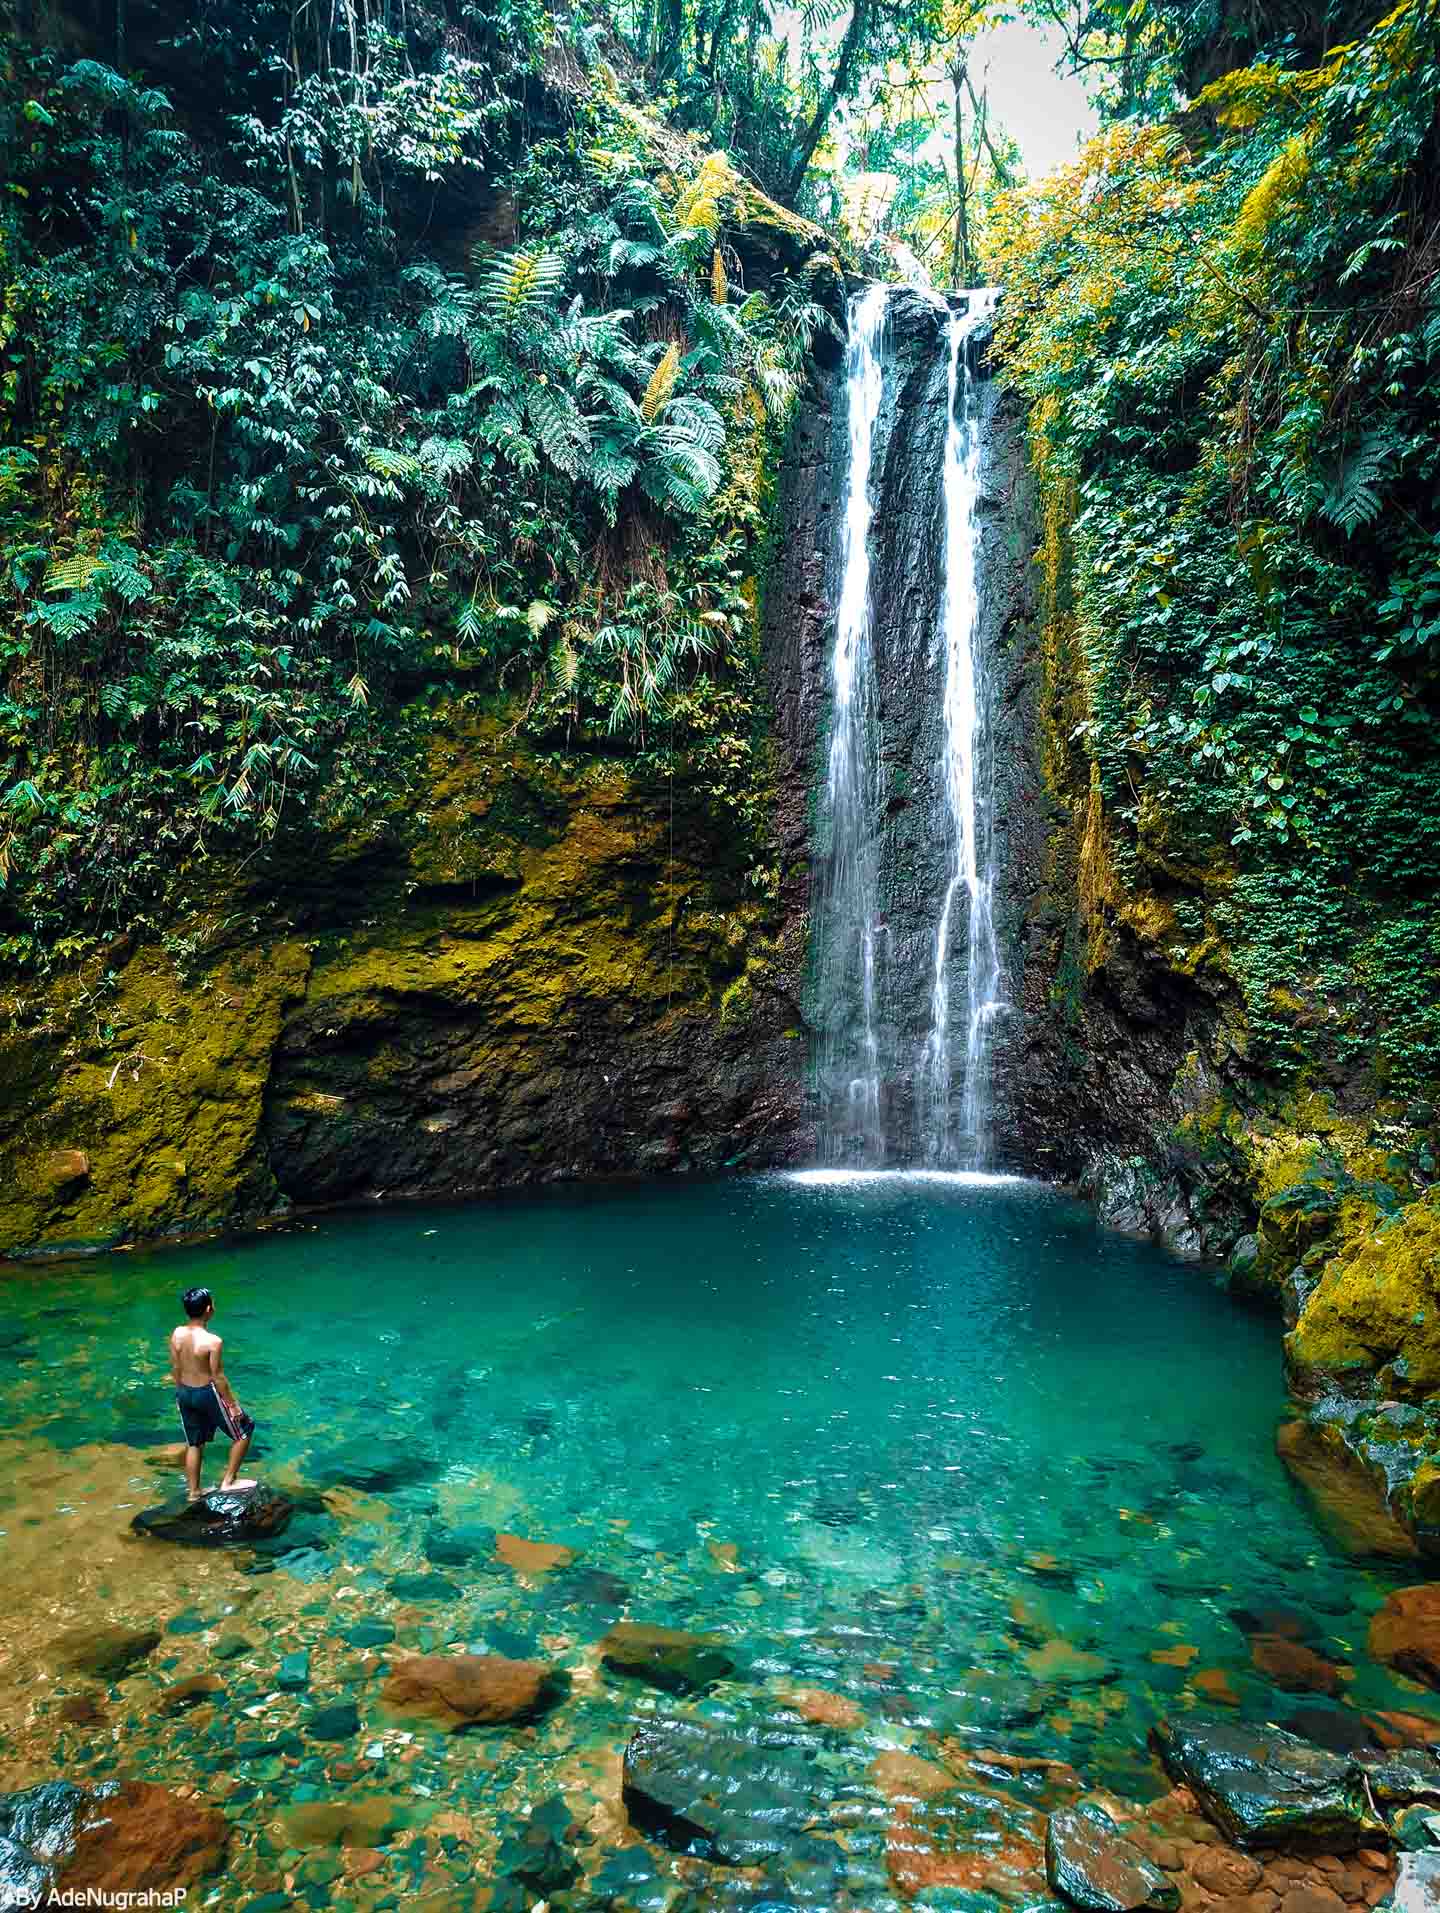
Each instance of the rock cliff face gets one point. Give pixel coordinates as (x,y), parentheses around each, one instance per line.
(532,970)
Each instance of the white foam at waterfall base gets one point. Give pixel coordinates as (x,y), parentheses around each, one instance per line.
(963,775)
(898,1178)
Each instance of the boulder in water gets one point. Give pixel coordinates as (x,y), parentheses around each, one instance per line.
(133,1833)
(1264,1787)
(1405,1632)
(469,1690)
(666,1657)
(228,1517)
(1091,1863)
(737,1800)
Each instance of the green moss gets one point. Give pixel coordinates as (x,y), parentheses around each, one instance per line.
(1378,1304)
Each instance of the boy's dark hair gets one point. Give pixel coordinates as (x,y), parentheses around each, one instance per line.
(196,1301)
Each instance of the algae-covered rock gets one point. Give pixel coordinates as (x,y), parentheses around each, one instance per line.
(1378,1306)
(1093,1865)
(1264,1787)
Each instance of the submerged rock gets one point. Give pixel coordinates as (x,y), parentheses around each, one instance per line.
(666,1657)
(1093,1865)
(105,1653)
(1348,1497)
(129,1833)
(222,1518)
(738,1801)
(1266,1787)
(1405,1632)
(469,1690)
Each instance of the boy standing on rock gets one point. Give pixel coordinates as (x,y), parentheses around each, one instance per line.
(203,1395)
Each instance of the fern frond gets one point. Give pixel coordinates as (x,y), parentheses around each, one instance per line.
(662,383)
(699,206)
(73,574)
(719,284)
(386,463)
(563,434)
(513,284)
(1352,499)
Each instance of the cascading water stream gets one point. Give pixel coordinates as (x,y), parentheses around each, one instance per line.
(965,775)
(848,909)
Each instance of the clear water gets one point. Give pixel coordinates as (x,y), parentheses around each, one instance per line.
(966,771)
(962,1459)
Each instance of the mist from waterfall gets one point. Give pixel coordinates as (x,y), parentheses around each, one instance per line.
(966,773)
(847,915)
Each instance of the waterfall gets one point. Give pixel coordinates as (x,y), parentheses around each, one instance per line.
(965,776)
(848,912)
(904,838)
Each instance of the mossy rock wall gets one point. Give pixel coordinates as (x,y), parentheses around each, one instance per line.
(529,967)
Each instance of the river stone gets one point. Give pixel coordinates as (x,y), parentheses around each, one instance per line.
(666,1657)
(1405,1632)
(1417,1884)
(105,1653)
(339,1721)
(469,1690)
(423,1587)
(1092,1865)
(1264,1786)
(68,1838)
(218,1519)
(740,1802)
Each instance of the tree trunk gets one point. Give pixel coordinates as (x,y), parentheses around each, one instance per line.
(960,256)
(850,48)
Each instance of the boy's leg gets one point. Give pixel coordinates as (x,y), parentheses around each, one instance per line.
(232,1466)
(193,1457)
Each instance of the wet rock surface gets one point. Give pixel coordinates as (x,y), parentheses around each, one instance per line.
(131,1834)
(105,1653)
(1267,1787)
(734,1799)
(1091,1864)
(220,1519)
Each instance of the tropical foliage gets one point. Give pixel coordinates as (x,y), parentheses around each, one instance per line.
(1228,324)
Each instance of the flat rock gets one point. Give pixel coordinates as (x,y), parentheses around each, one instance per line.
(738,1801)
(344,1823)
(532,1557)
(469,1690)
(1091,1864)
(62,1837)
(1291,1665)
(1395,1779)
(666,1657)
(1266,1787)
(1405,1632)
(105,1653)
(219,1519)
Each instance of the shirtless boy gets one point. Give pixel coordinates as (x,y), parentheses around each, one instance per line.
(203,1395)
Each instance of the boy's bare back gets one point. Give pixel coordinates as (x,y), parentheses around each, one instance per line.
(195,1355)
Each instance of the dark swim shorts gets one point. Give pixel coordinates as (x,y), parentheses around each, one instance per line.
(204,1414)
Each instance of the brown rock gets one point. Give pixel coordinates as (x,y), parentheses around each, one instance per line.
(1346,1499)
(1291,1665)
(908,1777)
(725,1555)
(146,1836)
(1373,1858)
(1214,1684)
(1403,1730)
(180,1696)
(1378,1890)
(1328,1863)
(1226,1871)
(824,1709)
(1311,1899)
(1164,1853)
(531,1557)
(467,1690)
(1261,1901)
(82,1710)
(1178,1656)
(58,1168)
(1405,1633)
